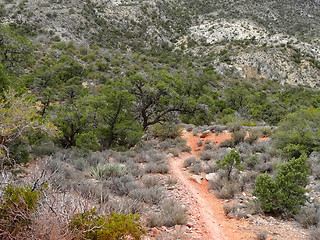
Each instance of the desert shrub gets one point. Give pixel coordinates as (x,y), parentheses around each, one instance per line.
(199,143)
(123,185)
(285,193)
(175,151)
(261,235)
(98,171)
(266,131)
(316,171)
(189,161)
(227,208)
(228,190)
(174,213)
(211,168)
(314,233)
(171,181)
(309,215)
(155,156)
(189,127)
(195,131)
(253,207)
(133,168)
(161,167)
(247,179)
(238,136)
(151,195)
(91,225)
(234,210)
(155,220)
(260,147)
(114,169)
(88,190)
(165,145)
(185,148)
(120,158)
(226,143)
(251,161)
(244,148)
(142,158)
(124,205)
(234,126)
(98,157)
(80,164)
(196,168)
(222,187)
(208,146)
(165,130)
(253,136)
(16,210)
(217,183)
(181,144)
(150,181)
(264,167)
(206,156)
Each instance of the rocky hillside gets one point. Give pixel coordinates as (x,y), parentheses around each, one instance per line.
(249,38)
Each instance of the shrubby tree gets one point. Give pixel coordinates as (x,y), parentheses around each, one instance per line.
(117,125)
(285,193)
(64,74)
(299,132)
(19,116)
(72,120)
(230,162)
(15,50)
(157,95)
(113,110)
(17,206)
(4,80)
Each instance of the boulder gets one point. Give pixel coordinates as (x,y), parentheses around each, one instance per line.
(211,176)
(205,134)
(196,178)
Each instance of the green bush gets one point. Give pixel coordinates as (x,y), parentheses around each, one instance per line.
(285,193)
(298,133)
(91,225)
(230,162)
(165,130)
(16,209)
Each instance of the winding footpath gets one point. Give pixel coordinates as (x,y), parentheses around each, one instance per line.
(205,207)
(212,230)
(207,220)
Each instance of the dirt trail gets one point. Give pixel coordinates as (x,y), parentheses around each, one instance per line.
(212,221)
(207,216)
(206,211)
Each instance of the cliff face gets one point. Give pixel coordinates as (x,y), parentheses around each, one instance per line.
(250,38)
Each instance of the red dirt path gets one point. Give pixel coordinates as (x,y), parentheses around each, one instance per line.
(212,223)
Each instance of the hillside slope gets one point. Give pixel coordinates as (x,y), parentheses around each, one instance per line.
(251,39)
